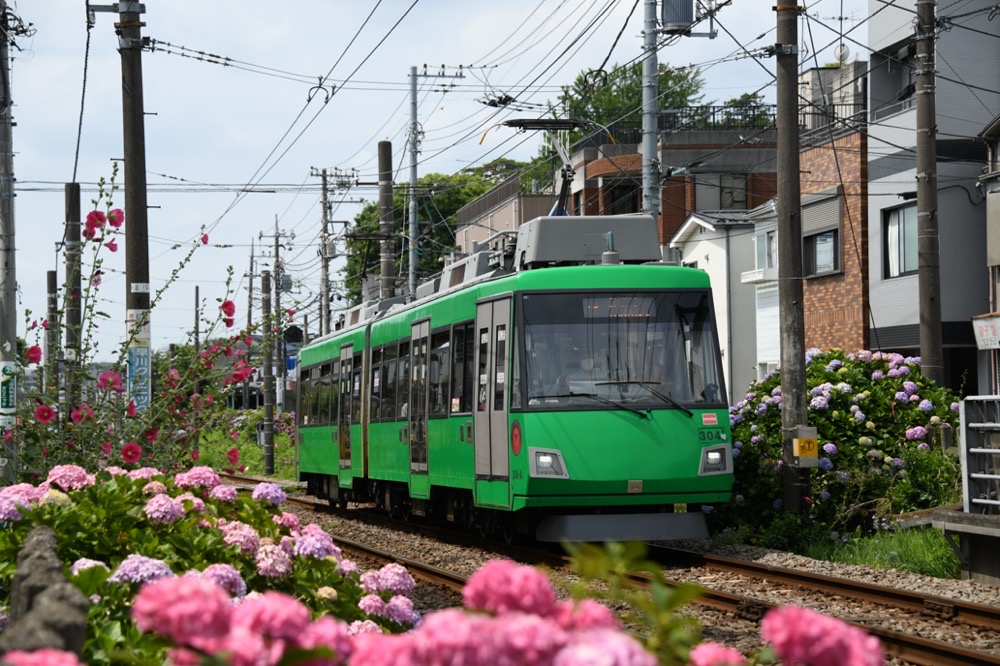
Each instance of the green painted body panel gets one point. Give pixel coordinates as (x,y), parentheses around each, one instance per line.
(494,494)
(388,452)
(316,451)
(420,486)
(450,460)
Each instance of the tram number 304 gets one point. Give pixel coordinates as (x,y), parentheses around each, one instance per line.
(712,435)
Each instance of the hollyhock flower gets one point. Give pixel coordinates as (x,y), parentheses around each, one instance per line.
(233,455)
(229,322)
(291,314)
(195,455)
(96,278)
(713,654)
(183,609)
(228,308)
(34,354)
(131,410)
(140,569)
(94,222)
(43,657)
(110,380)
(82,412)
(802,635)
(131,452)
(204,239)
(503,586)
(44,414)
(116,217)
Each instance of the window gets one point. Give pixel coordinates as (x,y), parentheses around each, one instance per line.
(440,372)
(766,250)
(375,385)
(733,191)
(900,244)
(821,253)
(388,406)
(622,200)
(462,369)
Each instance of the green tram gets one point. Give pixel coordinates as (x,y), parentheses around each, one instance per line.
(550,387)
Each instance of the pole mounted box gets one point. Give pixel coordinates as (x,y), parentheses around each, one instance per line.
(805,447)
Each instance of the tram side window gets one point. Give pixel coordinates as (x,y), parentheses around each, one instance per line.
(375,386)
(403,381)
(500,378)
(332,399)
(323,393)
(440,373)
(344,404)
(484,364)
(462,375)
(389,382)
(356,390)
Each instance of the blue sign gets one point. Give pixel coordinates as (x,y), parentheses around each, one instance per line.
(139,376)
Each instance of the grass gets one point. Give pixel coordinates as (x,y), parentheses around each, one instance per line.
(920,550)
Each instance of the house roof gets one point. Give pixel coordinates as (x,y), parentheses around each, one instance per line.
(992,130)
(712,220)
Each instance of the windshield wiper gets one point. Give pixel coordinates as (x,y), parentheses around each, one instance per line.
(596,397)
(649,387)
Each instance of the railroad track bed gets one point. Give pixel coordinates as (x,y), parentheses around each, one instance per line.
(719,625)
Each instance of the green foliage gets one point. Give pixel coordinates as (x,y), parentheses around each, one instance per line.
(879,422)
(440,197)
(615,565)
(922,551)
(228,441)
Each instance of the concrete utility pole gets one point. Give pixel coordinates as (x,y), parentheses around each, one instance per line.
(137,288)
(52,332)
(250,277)
(280,285)
(265,290)
(650,115)
(8,271)
(415,134)
(794,415)
(71,302)
(928,247)
(386,222)
(324,258)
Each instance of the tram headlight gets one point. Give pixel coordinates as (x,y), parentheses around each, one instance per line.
(716,460)
(547,463)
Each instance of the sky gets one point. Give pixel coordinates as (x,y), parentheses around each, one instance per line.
(265,120)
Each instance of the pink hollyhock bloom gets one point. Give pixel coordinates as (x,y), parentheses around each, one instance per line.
(229,322)
(116,217)
(274,615)
(713,654)
(34,354)
(291,314)
(43,657)
(94,223)
(802,635)
(204,239)
(110,380)
(131,452)
(106,448)
(604,647)
(503,586)
(228,308)
(583,615)
(96,279)
(183,609)
(83,412)
(112,245)
(130,410)
(44,414)
(195,455)
(233,455)
(45,324)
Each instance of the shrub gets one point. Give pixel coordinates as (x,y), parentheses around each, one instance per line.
(880,424)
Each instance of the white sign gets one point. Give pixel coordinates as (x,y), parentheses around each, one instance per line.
(987,331)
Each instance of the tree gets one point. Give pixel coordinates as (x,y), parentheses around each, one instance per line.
(440,196)
(609,97)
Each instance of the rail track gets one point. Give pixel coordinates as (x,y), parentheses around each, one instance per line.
(906,647)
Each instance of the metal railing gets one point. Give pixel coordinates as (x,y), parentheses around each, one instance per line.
(980,454)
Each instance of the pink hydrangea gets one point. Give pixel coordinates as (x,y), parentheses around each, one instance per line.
(288,520)
(154,488)
(274,615)
(223,493)
(713,654)
(399,609)
(372,604)
(525,638)
(183,609)
(163,509)
(503,586)
(240,534)
(70,477)
(43,657)
(144,473)
(377,649)
(327,632)
(273,561)
(22,494)
(604,647)
(197,504)
(802,635)
(198,477)
(454,636)
(584,614)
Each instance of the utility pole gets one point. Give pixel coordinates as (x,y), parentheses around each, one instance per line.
(386,222)
(415,134)
(928,247)
(650,115)
(52,332)
(265,289)
(280,284)
(250,277)
(324,258)
(794,415)
(71,301)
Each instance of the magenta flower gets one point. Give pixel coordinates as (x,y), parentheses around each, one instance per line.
(116,217)
(131,452)
(327,632)
(44,414)
(43,657)
(183,609)
(713,654)
(228,308)
(503,586)
(802,635)
(34,354)
(584,614)
(109,380)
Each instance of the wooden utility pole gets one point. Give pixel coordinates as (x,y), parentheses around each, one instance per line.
(386,222)
(71,301)
(928,246)
(8,272)
(794,414)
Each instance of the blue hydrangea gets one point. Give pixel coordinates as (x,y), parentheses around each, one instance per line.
(269,492)
(761,409)
(819,403)
(824,495)
(834,364)
(860,417)
(926,405)
(826,464)
(140,569)
(830,448)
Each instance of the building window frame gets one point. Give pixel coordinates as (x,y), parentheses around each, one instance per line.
(821,253)
(900,257)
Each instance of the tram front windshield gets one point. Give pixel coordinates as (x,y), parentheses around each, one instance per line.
(601,350)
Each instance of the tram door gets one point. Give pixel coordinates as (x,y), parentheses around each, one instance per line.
(345,411)
(419,349)
(492,340)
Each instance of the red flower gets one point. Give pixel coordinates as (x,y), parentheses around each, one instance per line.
(152,434)
(116,217)
(228,321)
(233,455)
(112,245)
(34,354)
(83,412)
(45,414)
(194,454)
(45,324)
(106,448)
(110,380)
(228,308)
(130,410)
(95,221)
(291,314)
(204,239)
(8,436)
(131,452)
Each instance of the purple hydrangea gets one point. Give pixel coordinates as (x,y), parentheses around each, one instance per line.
(859,416)
(910,387)
(819,403)
(830,448)
(953,407)
(824,495)
(877,375)
(924,446)
(916,432)
(926,406)
(318,546)
(140,569)
(707,509)
(834,364)
(902,396)
(894,372)
(776,504)
(227,577)
(163,509)
(903,371)
(843,477)
(223,493)
(395,578)
(269,492)
(826,464)
(8,510)
(400,610)
(897,462)
(761,409)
